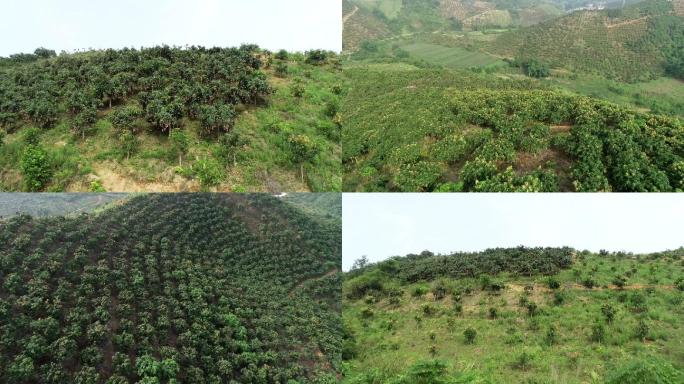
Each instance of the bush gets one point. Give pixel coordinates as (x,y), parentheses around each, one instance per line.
(608,312)
(648,370)
(641,331)
(35,167)
(470,334)
(598,333)
(316,57)
(208,172)
(553,283)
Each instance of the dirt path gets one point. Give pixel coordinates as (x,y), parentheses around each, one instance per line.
(576,286)
(301,283)
(350,14)
(113,181)
(634,21)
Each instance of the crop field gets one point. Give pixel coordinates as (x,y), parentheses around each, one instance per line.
(451,57)
(449,130)
(587,322)
(389,8)
(173,288)
(119,121)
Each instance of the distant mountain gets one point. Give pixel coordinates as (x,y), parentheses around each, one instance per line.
(54,204)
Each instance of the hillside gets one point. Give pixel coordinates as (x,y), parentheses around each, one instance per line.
(327,205)
(518,315)
(410,129)
(170,119)
(170,288)
(637,43)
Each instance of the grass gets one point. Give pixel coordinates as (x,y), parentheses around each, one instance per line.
(389,8)
(451,57)
(663,95)
(390,337)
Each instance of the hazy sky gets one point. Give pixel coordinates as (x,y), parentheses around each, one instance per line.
(296,25)
(384,225)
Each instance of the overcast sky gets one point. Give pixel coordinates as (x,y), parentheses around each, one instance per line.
(390,224)
(295,25)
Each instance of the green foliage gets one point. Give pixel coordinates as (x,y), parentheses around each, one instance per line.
(496,135)
(469,335)
(648,370)
(214,119)
(316,57)
(208,171)
(219,288)
(181,143)
(36,168)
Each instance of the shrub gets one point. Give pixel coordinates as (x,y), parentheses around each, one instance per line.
(648,370)
(551,336)
(598,333)
(553,283)
(523,361)
(35,167)
(316,57)
(641,331)
(281,69)
(493,313)
(470,334)
(608,312)
(208,172)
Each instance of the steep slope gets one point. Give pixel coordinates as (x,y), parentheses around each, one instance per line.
(519,315)
(194,287)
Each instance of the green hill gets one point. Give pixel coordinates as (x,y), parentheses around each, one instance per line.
(409,129)
(637,43)
(518,315)
(170,119)
(171,288)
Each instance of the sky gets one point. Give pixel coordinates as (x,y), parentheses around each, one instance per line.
(295,25)
(381,225)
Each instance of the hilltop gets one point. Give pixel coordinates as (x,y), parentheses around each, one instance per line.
(170,119)
(171,288)
(514,315)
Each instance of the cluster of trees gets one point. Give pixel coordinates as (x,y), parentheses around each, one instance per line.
(520,261)
(518,323)
(611,147)
(160,84)
(192,288)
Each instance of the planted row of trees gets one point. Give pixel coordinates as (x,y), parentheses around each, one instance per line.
(160,84)
(192,288)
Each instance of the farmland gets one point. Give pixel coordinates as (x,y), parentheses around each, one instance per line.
(446,130)
(447,57)
(170,119)
(534,315)
(172,288)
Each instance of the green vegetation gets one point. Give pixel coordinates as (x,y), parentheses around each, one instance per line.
(639,43)
(141,119)
(451,57)
(453,131)
(171,288)
(437,106)
(519,315)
